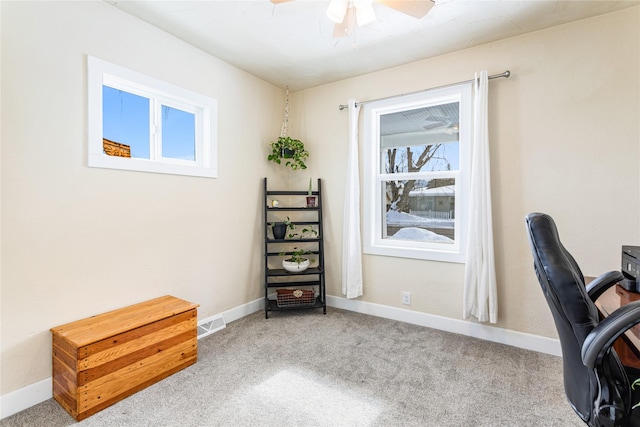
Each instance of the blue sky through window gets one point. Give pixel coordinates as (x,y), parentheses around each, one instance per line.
(178,134)
(126,120)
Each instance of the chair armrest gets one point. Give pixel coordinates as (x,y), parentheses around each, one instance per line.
(601,338)
(603,282)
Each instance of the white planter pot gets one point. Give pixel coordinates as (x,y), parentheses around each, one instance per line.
(295,267)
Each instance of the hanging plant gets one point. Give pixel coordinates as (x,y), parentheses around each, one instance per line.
(289,149)
(292,150)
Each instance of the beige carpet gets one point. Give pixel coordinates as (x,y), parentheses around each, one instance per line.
(340,369)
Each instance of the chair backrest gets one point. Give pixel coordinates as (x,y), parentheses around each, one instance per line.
(574,313)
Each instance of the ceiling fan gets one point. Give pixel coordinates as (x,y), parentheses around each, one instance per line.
(347,13)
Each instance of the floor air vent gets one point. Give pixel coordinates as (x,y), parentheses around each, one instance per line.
(210,325)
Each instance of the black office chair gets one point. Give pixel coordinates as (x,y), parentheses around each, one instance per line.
(595,382)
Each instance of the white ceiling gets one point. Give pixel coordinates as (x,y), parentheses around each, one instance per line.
(291,44)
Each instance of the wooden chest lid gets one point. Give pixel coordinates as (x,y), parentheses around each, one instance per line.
(111,323)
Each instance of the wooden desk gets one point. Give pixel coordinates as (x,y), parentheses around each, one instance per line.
(627,346)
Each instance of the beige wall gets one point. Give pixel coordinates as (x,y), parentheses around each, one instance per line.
(77,241)
(565,140)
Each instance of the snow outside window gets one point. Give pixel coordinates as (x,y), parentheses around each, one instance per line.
(140,123)
(416,168)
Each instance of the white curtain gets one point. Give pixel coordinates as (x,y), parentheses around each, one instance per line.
(351,242)
(480,294)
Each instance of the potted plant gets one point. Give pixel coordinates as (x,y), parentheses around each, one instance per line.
(311,199)
(279,230)
(289,149)
(297,262)
(306,232)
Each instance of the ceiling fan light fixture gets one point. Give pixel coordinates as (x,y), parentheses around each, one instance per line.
(337,10)
(345,28)
(452,129)
(365,14)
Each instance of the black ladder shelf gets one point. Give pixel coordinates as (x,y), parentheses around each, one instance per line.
(293,291)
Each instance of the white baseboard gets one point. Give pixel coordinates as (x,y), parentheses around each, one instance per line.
(457,326)
(25,397)
(33,394)
(243,310)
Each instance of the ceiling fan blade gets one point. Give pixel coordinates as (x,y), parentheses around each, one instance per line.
(345,27)
(437,119)
(415,8)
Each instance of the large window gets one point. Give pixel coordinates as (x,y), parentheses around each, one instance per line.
(140,123)
(416,171)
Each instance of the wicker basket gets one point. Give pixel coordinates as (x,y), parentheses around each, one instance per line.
(295,297)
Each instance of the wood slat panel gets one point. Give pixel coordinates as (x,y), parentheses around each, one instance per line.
(65,386)
(132,359)
(128,342)
(103,359)
(122,381)
(61,356)
(63,374)
(141,386)
(67,402)
(112,323)
(65,345)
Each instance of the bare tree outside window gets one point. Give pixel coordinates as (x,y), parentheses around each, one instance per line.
(399,195)
(414,143)
(416,164)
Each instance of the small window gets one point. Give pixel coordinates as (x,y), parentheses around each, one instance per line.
(416,168)
(140,123)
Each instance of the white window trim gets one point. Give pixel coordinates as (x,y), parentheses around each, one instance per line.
(204,108)
(373,243)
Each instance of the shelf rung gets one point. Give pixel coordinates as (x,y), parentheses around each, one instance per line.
(290,193)
(293,284)
(293,208)
(293,240)
(281,272)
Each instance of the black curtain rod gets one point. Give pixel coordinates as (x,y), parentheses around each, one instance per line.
(506,75)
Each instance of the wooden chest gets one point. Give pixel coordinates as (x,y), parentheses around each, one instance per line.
(100,360)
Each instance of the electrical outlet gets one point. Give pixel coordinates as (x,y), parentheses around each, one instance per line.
(406,298)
